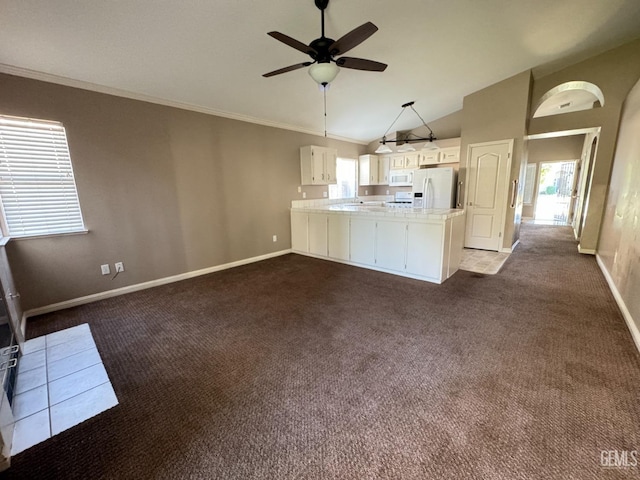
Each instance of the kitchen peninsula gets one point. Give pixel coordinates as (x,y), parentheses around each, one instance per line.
(425,244)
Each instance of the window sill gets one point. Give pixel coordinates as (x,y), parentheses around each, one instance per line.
(48,235)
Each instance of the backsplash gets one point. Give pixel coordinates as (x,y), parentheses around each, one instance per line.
(332,201)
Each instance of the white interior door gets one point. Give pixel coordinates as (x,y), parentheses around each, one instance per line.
(488,175)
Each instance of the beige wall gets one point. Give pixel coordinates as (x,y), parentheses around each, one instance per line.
(615,72)
(500,112)
(619,247)
(164,190)
(552,150)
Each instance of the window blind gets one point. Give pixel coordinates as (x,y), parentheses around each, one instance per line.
(37,187)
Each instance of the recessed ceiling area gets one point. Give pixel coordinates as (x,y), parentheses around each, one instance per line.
(210,55)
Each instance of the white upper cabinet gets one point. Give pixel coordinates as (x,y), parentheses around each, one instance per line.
(383,169)
(441,155)
(404,160)
(411,160)
(450,155)
(318,165)
(429,157)
(373,170)
(368,170)
(396,161)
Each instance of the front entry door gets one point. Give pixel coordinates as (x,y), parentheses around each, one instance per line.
(488,175)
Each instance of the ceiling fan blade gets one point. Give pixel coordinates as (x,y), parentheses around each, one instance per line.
(290,68)
(292,42)
(361,64)
(352,39)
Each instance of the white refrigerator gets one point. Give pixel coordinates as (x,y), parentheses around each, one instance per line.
(434,187)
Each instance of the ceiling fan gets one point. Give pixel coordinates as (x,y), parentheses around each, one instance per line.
(322,51)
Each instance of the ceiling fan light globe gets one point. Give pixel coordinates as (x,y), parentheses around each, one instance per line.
(323,73)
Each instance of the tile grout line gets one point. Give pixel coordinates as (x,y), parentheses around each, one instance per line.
(80,393)
(46,364)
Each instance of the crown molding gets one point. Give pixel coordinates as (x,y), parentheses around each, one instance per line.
(94,87)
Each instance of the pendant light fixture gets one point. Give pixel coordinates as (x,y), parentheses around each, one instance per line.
(405,143)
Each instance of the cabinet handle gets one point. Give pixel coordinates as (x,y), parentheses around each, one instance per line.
(7,365)
(514,190)
(9,350)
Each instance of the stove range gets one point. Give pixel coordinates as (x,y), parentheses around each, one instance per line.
(401,200)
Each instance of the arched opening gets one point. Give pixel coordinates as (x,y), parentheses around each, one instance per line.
(569,97)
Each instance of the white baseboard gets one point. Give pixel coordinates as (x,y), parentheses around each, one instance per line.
(142,286)
(510,249)
(586,251)
(633,328)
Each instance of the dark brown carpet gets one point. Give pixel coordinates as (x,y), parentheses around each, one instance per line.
(301,368)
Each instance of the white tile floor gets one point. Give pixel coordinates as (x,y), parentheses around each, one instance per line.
(61,382)
(482,261)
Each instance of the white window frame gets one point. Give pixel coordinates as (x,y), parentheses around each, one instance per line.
(336,190)
(530,190)
(38,194)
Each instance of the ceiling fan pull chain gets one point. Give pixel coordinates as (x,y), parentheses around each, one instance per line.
(324,92)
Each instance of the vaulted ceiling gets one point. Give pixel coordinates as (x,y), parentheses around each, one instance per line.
(211,54)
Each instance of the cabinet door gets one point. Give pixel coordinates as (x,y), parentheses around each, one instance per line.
(362,240)
(424,250)
(450,155)
(391,245)
(12,297)
(368,170)
(411,160)
(318,155)
(299,232)
(330,165)
(397,161)
(318,234)
(339,237)
(455,239)
(383,170)
(429,157)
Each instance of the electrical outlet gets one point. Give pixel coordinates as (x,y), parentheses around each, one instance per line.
(366,192)
(275,238)
(105,269)
(119,267)
(304,194)
(324,194)
(387,192)
(299,189)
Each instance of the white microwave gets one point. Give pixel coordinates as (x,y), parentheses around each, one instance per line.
(400,178)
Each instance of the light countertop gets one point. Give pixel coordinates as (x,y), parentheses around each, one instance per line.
(379,210)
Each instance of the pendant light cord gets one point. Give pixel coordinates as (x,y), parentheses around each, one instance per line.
(423,122)
(392,124)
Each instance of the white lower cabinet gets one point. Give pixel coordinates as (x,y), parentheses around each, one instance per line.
(318,242)
(338,237)
(425,249)
(299,232)
(362,241)
(391,245)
